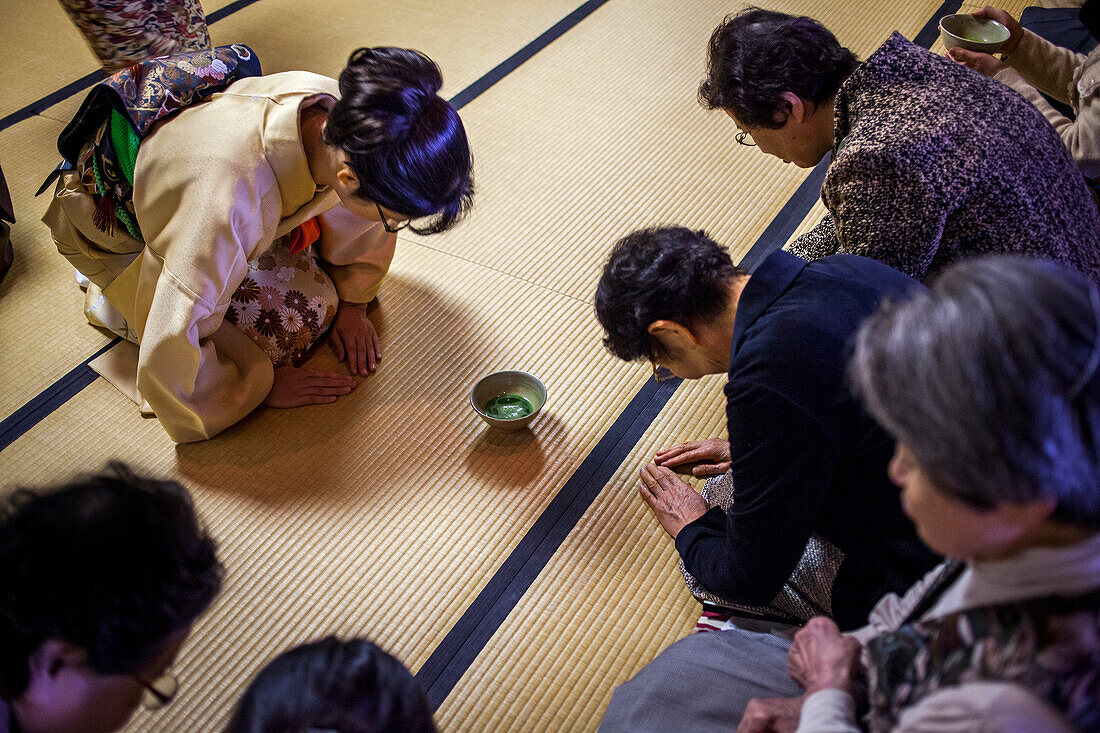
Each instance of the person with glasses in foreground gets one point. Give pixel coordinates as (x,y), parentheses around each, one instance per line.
(259,218)
(103,579)
(930,162)
(990,384)
(805,457)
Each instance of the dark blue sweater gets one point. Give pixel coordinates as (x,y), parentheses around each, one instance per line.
(806,457)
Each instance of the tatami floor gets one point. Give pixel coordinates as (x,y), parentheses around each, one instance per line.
(520,576)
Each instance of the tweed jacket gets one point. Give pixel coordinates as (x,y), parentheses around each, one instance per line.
(933,162)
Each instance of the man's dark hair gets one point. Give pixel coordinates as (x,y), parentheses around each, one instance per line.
(333,685)
(113,563)
(668,273)
(405,143)
(756,55)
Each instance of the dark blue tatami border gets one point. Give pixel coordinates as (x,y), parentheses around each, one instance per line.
(514,61)
(49,399)
(468,636)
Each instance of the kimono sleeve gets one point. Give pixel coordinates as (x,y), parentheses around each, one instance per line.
(199,373)
(356,253)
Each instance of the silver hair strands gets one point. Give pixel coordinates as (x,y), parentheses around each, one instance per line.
(1093,362)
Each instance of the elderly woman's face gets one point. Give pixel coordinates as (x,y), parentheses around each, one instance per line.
(949,525)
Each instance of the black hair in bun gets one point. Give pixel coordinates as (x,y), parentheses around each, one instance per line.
(405,143)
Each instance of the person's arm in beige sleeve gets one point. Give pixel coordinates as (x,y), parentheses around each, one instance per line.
(199,373)
(1045,66)
(1081,136)
(356,253)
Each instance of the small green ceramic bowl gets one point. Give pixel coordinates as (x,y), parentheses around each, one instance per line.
(496,384)
(975,34)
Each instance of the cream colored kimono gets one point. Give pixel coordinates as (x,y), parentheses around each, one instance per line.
(213,187)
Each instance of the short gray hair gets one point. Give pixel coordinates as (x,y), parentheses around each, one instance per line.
(991,380)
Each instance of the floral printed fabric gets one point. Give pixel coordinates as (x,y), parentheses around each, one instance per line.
(124,32)
(1050,646)
(285,302)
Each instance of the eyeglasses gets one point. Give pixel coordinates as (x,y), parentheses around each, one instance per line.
(391,228)
(660,373)
(743,138)
(159,692)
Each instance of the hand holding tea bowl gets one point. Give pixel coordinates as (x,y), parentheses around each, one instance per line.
(982,61)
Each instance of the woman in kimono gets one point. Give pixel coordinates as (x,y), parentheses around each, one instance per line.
(259,218)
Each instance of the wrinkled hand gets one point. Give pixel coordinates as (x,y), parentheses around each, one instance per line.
(822,657)
(711,457)
(771,715)
(293,387)
(1015,31)
(671,499)
(353,339)
(982,63)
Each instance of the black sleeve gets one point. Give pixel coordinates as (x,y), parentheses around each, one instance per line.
(783,460)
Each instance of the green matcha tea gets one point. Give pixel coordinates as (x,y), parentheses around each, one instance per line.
(508,407)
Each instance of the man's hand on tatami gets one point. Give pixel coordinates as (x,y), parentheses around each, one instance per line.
(670,498)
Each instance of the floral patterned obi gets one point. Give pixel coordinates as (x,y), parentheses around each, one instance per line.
(286,301)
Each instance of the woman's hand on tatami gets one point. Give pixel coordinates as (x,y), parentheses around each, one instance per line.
(294,387)
(353,339)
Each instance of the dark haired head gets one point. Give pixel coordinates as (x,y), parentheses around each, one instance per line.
(332,685)
(992,380)
(112,563)
(757,55)
(406,144)
(669,273)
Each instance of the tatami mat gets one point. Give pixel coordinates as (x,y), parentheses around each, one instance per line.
(586,157)
(387,513)
(607,603)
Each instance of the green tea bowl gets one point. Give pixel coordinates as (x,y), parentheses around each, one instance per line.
(975,34)
(508,385)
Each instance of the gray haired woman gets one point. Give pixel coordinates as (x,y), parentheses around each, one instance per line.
(989,383)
